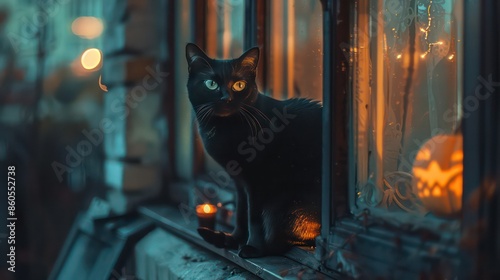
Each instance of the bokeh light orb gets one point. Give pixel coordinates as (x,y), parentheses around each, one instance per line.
(91,59)
(87,27)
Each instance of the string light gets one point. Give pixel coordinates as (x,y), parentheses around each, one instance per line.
(427,30)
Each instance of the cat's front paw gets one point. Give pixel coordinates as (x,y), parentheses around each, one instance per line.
(248,251)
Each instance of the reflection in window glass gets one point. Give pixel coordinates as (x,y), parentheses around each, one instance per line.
(296,49)
(225,28)
(224,40)
(405,66)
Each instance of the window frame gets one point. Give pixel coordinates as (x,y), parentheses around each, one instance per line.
(481,131)
(335,123)
(367,239)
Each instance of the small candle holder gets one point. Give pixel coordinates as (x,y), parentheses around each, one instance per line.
(206,215)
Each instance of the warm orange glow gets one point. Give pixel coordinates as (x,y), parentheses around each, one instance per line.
(398,56)
(424,154)
(451,56)
(206,215)
(436,192)
(426,192)
(305,227)
(457,156)
(87,27)
(91,59)
(438,174)
(456,185)
(435,176)
(103,87)
(206,210)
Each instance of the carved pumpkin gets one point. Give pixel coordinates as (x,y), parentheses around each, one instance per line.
(438,174)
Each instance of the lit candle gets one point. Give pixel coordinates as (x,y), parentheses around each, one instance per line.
(206,215)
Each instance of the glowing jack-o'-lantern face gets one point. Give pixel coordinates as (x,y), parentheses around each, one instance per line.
(438,174)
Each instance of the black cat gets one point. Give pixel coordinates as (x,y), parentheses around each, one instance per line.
(271,148)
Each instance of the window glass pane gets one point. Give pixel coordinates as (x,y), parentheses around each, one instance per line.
(406,67)
(224,40)
(224,37)
(225,28)
(296,49)
(224,31)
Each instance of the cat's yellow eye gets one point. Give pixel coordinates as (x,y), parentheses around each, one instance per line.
(211,85)
(239,85)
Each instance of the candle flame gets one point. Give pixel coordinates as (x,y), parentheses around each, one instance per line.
(206,208)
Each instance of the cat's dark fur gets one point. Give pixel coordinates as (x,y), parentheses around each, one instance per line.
(271,148)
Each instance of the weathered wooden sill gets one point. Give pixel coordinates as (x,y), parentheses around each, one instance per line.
(295,262)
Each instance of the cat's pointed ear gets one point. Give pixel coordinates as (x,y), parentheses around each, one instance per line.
(195,57)
(250,59)
(193,51)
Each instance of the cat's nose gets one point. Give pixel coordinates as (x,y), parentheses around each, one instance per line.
(226,97)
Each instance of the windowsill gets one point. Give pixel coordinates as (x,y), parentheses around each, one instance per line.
(271,267)
(389,251)
(447,229)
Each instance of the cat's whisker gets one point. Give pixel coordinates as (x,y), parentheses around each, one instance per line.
(258,111)
(198,106)
(207,114)
(251,118)
(254,118)
(201,107)
(202,111)
(240,114)
(199,111)
(200,116)
(248,122)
